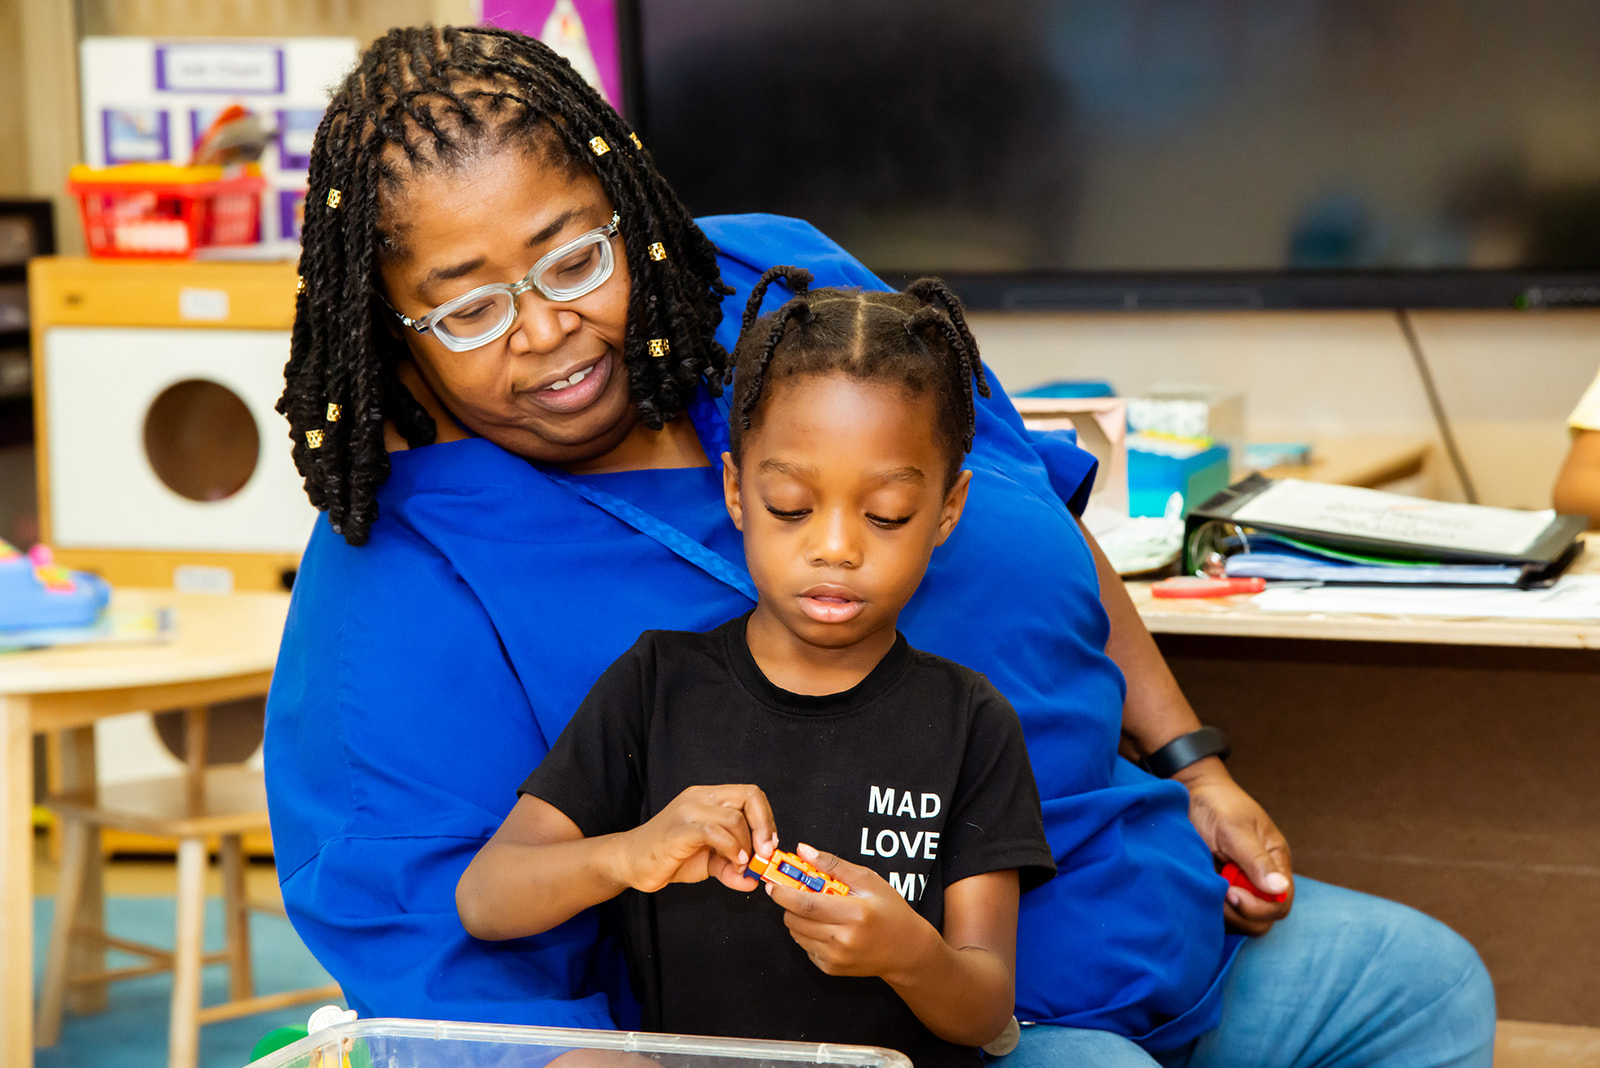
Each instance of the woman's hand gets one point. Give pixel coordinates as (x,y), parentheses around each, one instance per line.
(705,832)
(1154,713)
(1237,828)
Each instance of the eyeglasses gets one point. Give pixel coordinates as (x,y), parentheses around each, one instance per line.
(575,269)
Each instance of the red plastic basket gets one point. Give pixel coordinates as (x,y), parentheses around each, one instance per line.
(147,211)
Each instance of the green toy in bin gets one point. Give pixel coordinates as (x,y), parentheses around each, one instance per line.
(276,1039)
(279,1037)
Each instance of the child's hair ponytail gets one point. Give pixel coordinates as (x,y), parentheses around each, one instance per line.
(918,339)
(798,279)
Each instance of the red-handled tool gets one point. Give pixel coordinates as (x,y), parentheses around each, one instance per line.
(1230,871)
(1198,586)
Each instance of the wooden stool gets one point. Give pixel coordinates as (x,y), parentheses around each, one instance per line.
(226,802)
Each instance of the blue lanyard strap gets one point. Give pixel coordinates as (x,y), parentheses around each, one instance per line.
(670,537)
(710,418)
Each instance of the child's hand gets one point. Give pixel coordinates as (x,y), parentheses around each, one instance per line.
(873,931)
(706,832)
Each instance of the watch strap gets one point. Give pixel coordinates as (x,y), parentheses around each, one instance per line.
(1184,750)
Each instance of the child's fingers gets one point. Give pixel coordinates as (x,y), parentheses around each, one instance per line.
(835,948)
(713,815)
(818,928)
(852,875)
(807,904)
(734,876)
(727,843)
(758,816)
(744,809)
(813,922)
(818,948)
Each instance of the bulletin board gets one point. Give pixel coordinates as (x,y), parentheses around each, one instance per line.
(148,101)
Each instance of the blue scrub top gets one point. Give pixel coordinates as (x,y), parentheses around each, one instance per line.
(423,675)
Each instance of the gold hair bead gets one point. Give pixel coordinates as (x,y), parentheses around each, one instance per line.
(334,196)
(299,284)
(334,411)
(657,251)
(313,439)
(658,347)
(635,139)
(598,146)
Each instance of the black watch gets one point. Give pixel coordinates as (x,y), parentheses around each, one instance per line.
(1184,750)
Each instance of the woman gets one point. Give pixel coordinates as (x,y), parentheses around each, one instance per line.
(517,481)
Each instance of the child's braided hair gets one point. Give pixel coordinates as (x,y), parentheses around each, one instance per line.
(422,99)
(917,339)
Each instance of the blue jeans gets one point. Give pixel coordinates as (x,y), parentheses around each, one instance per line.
(1347,981)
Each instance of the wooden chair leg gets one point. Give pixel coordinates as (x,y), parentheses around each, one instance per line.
(76,840)
(183,1041)
(74,770)
(236,906)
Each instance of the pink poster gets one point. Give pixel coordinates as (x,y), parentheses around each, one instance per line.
(584,31)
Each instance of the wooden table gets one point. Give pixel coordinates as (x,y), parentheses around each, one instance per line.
(224,648)
(1445,763)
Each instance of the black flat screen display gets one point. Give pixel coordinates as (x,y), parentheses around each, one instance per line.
(1150,152)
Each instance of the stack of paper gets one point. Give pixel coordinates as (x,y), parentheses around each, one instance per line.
(1316,534)
(1282,560)
(1376,517)
(1574,597)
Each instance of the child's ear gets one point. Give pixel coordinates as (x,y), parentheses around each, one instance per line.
(954,502)
(730,491)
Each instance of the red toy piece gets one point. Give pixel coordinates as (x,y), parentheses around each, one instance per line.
(1230,871)
(786,869)
(1199,586)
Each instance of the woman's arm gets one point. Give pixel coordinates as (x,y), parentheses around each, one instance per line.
(1577,489)
(538,870)
(961,984)
(1233,825)
(397,731)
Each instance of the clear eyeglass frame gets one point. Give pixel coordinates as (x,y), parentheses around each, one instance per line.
(486,313)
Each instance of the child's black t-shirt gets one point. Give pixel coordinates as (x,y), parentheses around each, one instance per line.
(918,772)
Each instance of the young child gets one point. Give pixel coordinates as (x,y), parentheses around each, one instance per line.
(899,773)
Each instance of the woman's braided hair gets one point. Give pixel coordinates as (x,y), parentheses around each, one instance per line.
(918,339)
(421,99)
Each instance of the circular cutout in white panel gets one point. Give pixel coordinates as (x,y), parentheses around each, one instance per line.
(201,440)
(101,385)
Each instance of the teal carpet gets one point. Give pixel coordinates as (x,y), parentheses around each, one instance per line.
(132,1033)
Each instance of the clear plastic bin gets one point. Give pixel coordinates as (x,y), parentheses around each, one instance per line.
(437,1044)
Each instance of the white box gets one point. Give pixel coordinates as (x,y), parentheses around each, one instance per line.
(104,492)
